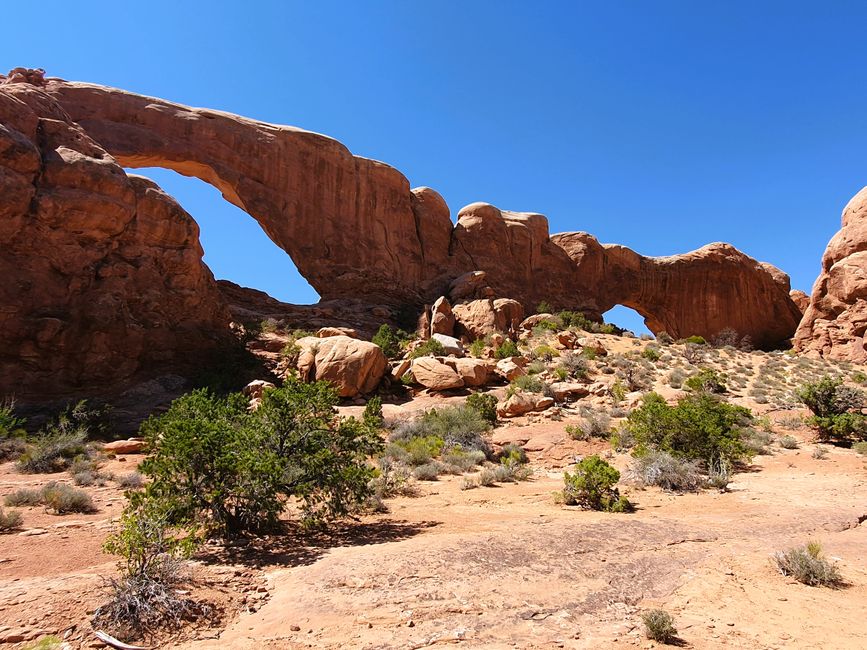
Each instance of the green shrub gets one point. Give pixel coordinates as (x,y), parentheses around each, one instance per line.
(10,521)
(428,472)
(461,426)
(391,341)
(430,348)
(536,367)
(659,625)
(458,461)
(506,350)
(651,353)
(512,454)
(593,424)
(859,377)
(696,340)
(543,307)
(215,464)
(55,447)
(831,403)
(423,449)
(593,486)
(544,353)
(670,473)
(372,415)
(806,564)
(676,378)
(706,380)
(11,426)
(617,391)
(130,481)
(577,320)
(477,348)
(485,404)
(860,448)
(700,426)
(574,365)
(526,383)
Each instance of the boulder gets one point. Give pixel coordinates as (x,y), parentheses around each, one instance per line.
(568,339)
(563,391)
(474,372)
(131,446)
(442,320)
(478,318)
(325,332)
(531,321)
(434,374)
(467,286)
(354,367)
(450,344)
(255,388)
(511,368)
(523,402)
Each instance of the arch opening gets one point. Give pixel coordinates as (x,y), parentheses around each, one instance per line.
(628,319)
(236,247)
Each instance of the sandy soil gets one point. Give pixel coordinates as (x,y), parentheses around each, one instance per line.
(499,567)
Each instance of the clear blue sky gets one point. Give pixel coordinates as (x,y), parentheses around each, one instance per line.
(659,125)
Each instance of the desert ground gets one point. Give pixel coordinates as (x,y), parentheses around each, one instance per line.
(504,566)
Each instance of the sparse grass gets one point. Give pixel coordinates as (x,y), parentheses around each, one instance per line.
(860,448)
(62,498)
(659,625)
(593,424)
(130,481)
(808,565)
(526,383)
(428,472)
(819,453)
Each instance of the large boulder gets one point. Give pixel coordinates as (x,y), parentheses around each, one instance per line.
(473,372)
(523,402)
(478,318)
(835,320)
(435,374)
(450,344)
(353,366)
(442,320)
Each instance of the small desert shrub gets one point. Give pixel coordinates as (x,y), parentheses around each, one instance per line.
(593,486)
(131,481)
(458,461)
(651,353)
(526,383)
(593,424)
(860,448)
(859,377)
(430,348)
(819,453)
(24,497)
(513,454)
(788,442)
(544,307)
(394,479)
(695,340)
(659,625)
(589,353)
(574,365)
(664,338)
(536,367)
(420,450)
(62,498)
(12,434)
(634,375)
(756,441)
(391,341)
(675,378)
(718,474)
(10,521)
(693,353)
(561,373)
(485,404)
(807,564)
(65,438)
(700,427)
(487,477)
(507,349)
(428,472)
(477,348)
(577,320)
(544,353)
(668,472)
(622,439)
(147,595)
(462,426)
(706,380)
(617,391)
(729,337)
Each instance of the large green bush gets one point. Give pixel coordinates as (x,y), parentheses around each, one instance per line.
(834,406)
(485,404)
(391,341)
(216,465)
(700,426)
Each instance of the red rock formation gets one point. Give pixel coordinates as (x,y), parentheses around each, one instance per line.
(102,272)
(106,279)
(835,321)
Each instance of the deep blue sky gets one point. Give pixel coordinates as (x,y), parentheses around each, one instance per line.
(659,125)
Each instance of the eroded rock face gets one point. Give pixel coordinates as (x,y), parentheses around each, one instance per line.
(835,321)
(356,231)
(103,278)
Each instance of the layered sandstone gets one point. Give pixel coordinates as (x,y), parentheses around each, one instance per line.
(835,321)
